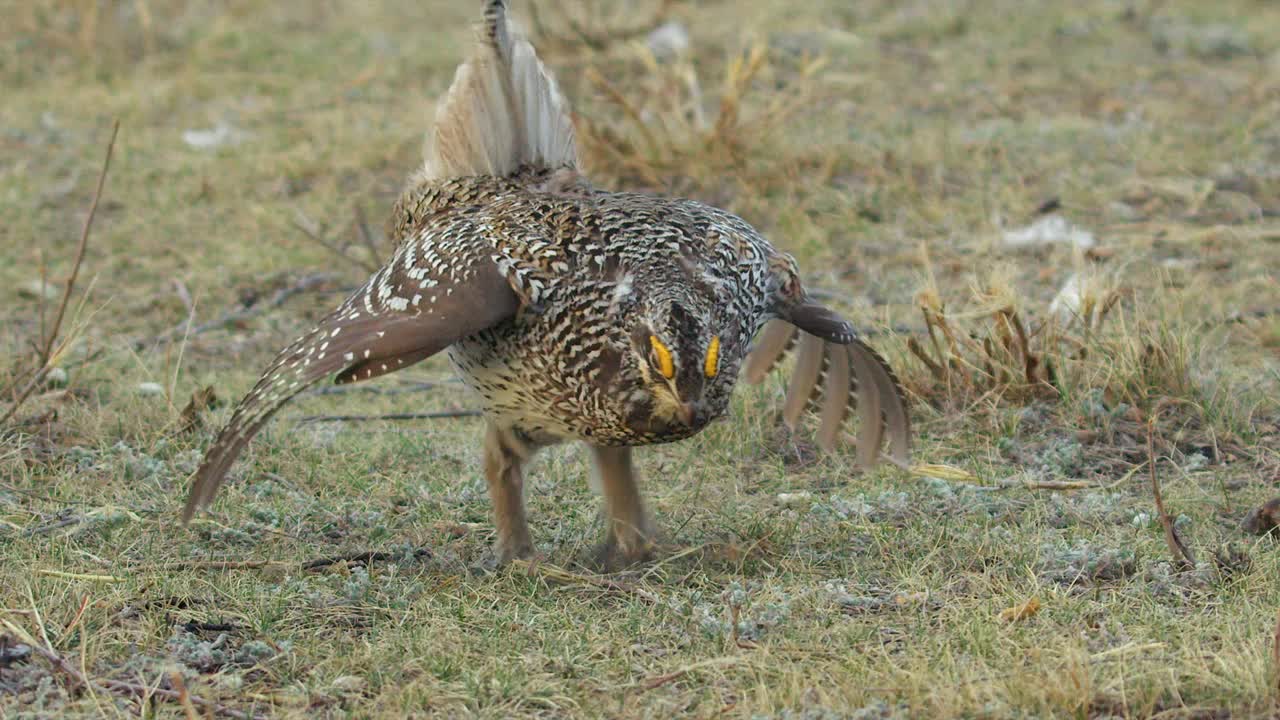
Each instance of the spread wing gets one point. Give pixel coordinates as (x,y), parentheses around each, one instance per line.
(835,373)
(439,287)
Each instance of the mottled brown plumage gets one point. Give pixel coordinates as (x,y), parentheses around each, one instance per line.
(618,319)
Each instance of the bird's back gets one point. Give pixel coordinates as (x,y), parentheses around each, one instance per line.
(583,258)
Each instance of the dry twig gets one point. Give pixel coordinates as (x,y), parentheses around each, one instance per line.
(78,576)
(1034,484)
(444,414)
(304,284)
(213,565)
(48,342)
(184,697)
(55,525)
(309,230)
(1000,363)
(1181,554)
(47,349)
(362,558)
(660,680)
(560,576)
(366,237)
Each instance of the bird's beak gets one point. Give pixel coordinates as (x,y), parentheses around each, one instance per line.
(688,414)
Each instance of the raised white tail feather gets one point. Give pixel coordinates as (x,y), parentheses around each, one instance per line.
(502,112)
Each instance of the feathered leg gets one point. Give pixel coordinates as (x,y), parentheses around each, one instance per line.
(629,534)
(504,458)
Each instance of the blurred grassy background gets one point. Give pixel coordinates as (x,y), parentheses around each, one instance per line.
(896,148)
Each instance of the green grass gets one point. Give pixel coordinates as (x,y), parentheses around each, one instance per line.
(891,170)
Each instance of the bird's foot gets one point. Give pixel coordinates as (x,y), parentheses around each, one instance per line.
(507,549)
(613,555)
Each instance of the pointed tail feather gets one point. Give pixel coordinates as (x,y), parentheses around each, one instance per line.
(503,110)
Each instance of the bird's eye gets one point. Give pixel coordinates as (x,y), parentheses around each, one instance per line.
(661,357)
(712,364)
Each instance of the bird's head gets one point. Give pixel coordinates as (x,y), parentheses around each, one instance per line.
(681,358)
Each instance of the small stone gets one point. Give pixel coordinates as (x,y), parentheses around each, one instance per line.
(668,40)
(1180,263)
(254,652)
(1066,304)
(229,681)
(795,499)
(56,377)
(1123,211)
(150,389)
(1196,461)
(349,683)
(1049,230)
(213,138)
(13,654)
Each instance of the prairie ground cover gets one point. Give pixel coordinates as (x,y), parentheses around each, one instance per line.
(1060,221)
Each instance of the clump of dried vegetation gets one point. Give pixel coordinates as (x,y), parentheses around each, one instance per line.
(673,129)
(1111,360)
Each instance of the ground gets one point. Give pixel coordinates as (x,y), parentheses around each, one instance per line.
(945,172)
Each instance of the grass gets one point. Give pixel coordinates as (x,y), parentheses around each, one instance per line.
(889,146)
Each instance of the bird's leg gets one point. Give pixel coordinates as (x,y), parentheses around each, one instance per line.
(504,459)
(629,535)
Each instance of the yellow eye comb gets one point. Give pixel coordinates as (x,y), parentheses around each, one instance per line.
(665,365)
(712,365)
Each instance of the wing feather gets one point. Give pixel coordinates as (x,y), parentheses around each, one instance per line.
(836,394)
(803,378)
(440,287)
(779,336)
(835,372)
(868,399)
